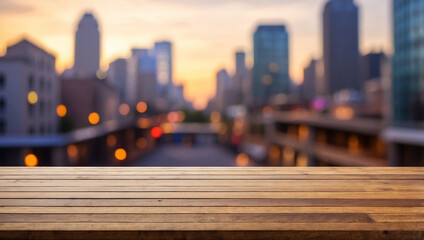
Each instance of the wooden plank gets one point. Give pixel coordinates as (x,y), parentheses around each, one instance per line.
(152,176)
(234,218)
(221,195)
(212,227)
(289,184)
(249,202)
(367,210)
(400,217)
(44,203)
(212,235)
(217,170)
(367,188)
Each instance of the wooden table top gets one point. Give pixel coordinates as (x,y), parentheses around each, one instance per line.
(211,203)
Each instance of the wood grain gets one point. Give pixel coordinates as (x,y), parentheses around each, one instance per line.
(211,203)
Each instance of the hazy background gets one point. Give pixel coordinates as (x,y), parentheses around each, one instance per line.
(204,33)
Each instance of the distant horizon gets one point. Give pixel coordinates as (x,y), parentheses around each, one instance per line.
(200,49)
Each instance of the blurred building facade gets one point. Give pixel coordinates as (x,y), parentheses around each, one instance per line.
(371,66)
(271,63)
(90,95)
(117,76)
(408,61)
(141,67)
(29,91)
(308,89)
(240,78)
(341,46)
(224,92)
(87,47)
(164,73)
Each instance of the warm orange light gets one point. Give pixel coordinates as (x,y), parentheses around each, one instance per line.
(111,140)
(120,154)
(242,160)
(167,127)
(301,160)
(303,132)
(288,156)
(141,107)
(141,143)
(32,97)
(61,110)
(94,118)
(181,116)
(353,142)
(223,129)
(124,109)
(267,111)
(143,123)
(31,160)
(274,153)
(173,117)
(156,132)
(72,151)
(215,117)
(344,112)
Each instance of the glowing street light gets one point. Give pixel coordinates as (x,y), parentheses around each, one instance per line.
(94,118)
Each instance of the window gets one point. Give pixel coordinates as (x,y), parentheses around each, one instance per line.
(31,109)
(42,106)
(2,81)
(41,85)
(2,126)
(2,105)
(31,82)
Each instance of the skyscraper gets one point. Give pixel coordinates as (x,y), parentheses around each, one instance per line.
(308,87)
(271,63)
(117,76)
(371,66)
(141,79)
(163,53)
(223,88)
(87,47)
(240,76)
(341,50)
(408,61)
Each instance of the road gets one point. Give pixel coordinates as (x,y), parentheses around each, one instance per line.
(174,155)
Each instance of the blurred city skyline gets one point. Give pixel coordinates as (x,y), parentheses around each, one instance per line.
(199,51)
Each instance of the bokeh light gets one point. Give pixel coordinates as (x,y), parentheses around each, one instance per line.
(120,154)
(141,107)
(61,110)
(32,97)
(94,118)
(242,160)
(143,123)
(72,151)
(173,117)
(215,117)
(156,132)
(31,160)
(124,109)
(344,113)
(141,143)
(111,140)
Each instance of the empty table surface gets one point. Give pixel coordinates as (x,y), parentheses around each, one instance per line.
(211,203)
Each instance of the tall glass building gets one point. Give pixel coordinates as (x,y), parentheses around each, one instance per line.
(408,61)
(341,46)
(271,63)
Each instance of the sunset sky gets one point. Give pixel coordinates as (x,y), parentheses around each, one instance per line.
(205,33)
